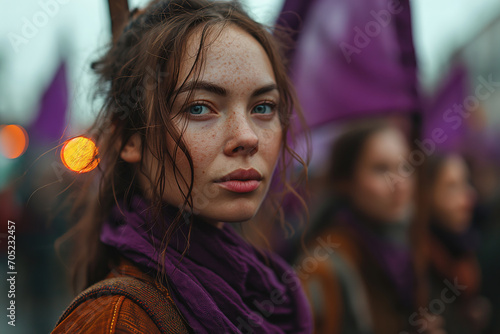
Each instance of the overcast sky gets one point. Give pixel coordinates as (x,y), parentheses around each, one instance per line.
(78,29)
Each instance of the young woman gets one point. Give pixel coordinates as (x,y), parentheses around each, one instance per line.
(453,243)
(195,124)
(364,281)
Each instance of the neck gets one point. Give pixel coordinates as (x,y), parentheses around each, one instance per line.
(216,224)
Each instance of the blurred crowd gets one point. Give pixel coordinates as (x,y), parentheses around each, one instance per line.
(403,183)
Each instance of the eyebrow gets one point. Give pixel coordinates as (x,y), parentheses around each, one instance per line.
(264,89)
(218,90)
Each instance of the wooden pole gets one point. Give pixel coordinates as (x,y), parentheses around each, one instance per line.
(119,13)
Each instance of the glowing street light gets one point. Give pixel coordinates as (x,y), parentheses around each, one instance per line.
(79,154)
(13,141)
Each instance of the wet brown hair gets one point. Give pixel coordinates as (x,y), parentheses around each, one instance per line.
(138,78)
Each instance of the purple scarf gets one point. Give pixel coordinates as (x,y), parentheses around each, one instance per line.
(222,285)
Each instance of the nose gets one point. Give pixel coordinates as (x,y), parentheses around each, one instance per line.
(241,136)
(470,196)
(403,187)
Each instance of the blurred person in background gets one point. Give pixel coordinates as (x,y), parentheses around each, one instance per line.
(366,284)
(453,243)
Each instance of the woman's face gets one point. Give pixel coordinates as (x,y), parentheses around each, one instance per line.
(376,187)
(232,128)
(452,196)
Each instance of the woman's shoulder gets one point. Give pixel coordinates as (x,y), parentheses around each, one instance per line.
(118,304)
(107,314)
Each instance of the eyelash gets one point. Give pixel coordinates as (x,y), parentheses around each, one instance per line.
(198,103)
(269,103)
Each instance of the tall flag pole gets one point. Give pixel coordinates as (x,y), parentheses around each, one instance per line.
(119,13)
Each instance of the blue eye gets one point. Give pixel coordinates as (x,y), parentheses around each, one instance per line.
(263,109)
(198,109)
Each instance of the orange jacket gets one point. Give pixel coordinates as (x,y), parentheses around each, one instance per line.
(322,282)
(114,313)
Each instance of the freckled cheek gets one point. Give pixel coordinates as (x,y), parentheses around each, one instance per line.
(270,144)
(203,149)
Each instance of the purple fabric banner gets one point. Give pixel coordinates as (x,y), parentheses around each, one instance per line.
(355,59)
(440,111)
(50,124)
(292,18)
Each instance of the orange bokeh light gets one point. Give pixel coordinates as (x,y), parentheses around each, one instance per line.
(78,154)
(13,141)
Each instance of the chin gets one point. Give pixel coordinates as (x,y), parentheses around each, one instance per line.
(228,217)
(394,218)
(236,212)
(461,225)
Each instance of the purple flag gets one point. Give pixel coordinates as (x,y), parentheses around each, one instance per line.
(355,59)
(440,111)
(292,17)
(50,123)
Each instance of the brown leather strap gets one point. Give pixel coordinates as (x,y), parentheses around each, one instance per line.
(148,297)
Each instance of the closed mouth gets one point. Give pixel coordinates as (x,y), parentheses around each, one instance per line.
(241,175)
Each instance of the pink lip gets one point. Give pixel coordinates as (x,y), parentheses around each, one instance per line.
(241,180)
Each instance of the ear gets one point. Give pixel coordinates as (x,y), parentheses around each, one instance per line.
(131,152)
